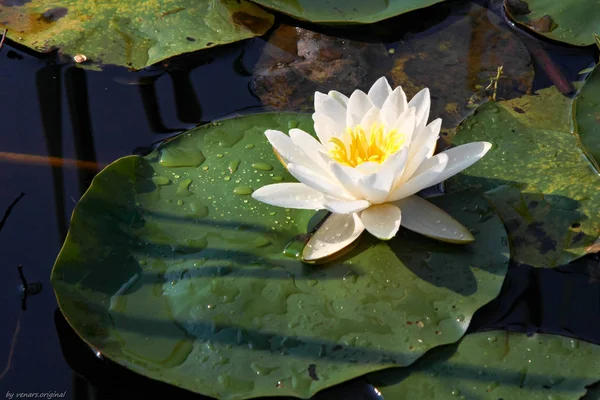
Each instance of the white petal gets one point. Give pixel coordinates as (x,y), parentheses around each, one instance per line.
(459,158)
(405,124)
(422,103)
(326,128)
(420,180)
(382,221)
(371,117)
(376,187)
(379,92)
(344,207)
(393,107)
(282,144)
(424,130)
(422,147)
(286,149)
(434,126)
(317,182)
(292,154)
(330,107)
(368,168)
(422,217)
(348,178)
(305,141)
(358,105)
(341,98)
(310,146)
(290,195)
(324,155)
(336,233)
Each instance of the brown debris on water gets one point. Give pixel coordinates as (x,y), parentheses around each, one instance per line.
(543,24)
(517,7)
(296,62)
(460,61)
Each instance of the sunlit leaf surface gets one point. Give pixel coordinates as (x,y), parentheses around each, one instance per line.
(547,191)
(130,33)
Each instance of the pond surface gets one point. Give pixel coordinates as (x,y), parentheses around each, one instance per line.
(61,124)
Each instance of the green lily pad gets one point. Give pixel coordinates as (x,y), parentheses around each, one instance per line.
(551,205)
(497,365)
(130,33)
(171,269)
(346,12)
(569,21)
(587,114)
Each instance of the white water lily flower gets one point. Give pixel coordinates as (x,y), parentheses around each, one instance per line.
(374,153)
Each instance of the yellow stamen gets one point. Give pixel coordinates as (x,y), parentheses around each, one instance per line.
(376,148)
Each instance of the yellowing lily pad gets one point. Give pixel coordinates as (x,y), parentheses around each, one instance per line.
(497,365)
(346,12)
(569,21)
(130,33)
(172,270)
(551,204)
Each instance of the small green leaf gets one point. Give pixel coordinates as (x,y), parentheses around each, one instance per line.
(568,21)
(585,71)
(194,288)
(497,365)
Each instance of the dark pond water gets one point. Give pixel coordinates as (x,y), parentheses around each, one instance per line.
(61,124)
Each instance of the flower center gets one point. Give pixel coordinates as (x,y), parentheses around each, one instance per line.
(374,148)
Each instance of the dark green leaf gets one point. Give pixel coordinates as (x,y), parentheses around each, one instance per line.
(587,115)
(176,272)
(569,21)
(497,365)
(346,12)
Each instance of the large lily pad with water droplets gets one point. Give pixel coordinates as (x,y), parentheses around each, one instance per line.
(569,21)
(546,190)
(346,12)
(497,365)
(171,269)
(130,33)
(587,115)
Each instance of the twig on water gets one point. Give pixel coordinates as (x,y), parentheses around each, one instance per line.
(23,283)
(9,210)
(12,349)
(3,37)
(27,289)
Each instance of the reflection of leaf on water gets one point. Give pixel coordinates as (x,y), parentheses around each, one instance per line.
(457,60)
(296,62)
(551,208)
(468,45)
(192,287)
